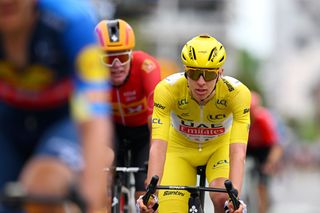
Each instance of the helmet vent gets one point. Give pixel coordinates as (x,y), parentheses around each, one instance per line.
(209,58)
(194,54)
(221,59)
(113,31)
(213,53)
(204,36)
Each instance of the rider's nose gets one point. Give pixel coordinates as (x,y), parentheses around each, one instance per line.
(201,80)
(116,63)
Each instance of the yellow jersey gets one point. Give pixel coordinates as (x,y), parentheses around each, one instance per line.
(178,118)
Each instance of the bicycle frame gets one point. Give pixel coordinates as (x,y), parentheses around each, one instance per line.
(126,188)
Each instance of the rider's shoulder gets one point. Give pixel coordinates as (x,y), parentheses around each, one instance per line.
(69,10)
(140,54)
(176,81)
(231,81)
(141,57)
(232,84)
(230,88)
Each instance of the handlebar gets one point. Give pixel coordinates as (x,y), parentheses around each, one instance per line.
(126,169)
(192,188)
(233,193)
(229,189)
(151,189)
(14,195)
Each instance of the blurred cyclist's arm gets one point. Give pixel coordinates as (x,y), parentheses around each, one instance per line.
(98,154)
(91,111)
(272,134)
(273,159)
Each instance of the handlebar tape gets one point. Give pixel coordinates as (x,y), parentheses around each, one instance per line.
(233,194)
(151,190)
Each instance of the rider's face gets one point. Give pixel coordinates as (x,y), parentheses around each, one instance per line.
(201,89)
(119,65)
(119,73)
(15,13)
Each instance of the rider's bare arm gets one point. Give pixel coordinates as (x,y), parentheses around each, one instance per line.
(237,161)
(156,158)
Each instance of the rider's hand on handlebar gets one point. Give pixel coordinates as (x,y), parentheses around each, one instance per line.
(228,207)
(151,206)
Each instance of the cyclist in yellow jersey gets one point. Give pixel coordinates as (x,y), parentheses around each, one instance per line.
(200,117)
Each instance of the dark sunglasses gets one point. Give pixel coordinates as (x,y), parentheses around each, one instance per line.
(207,74)
(109,59)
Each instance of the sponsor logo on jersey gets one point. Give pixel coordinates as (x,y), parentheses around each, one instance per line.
(130,95)
(182,103)
(159,106)
(230,87)
(133,109)
(156,121)
(183,116)
(246,110)
(148,66)
(178,193)
(220,163)
(221,103)
(216,117)
(202,131)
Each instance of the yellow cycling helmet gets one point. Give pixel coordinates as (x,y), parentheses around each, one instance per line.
(203,51)
(115,35)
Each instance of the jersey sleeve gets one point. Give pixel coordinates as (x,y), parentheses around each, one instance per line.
(161,111)
(91,86)
(91,96)
(240,107)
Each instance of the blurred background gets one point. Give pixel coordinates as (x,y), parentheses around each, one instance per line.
(273,47)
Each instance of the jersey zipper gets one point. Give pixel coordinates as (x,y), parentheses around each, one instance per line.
(120,108)
(201,120)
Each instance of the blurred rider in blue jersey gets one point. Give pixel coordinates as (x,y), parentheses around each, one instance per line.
(55,129)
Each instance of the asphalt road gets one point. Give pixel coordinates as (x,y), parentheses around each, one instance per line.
(294,190)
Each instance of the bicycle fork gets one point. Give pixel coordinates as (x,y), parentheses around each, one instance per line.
(194,203)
